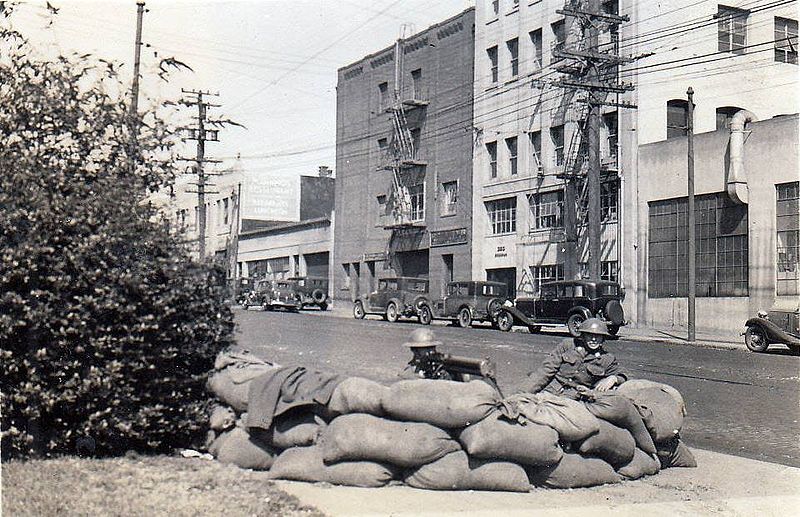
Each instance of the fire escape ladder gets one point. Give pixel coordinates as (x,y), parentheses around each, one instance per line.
(402,133)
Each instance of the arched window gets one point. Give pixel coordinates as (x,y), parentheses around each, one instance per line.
(677,117)
(724,116)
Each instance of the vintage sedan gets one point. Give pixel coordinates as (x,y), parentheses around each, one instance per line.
(567,302)
(781,324)
(312,291)
(394,297)
(259,296)
(465,302)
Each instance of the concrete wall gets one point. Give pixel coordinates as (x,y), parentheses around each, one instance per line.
(316,197)
(770,158)
(444,53)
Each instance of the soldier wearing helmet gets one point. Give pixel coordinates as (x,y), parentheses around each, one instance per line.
(579,365)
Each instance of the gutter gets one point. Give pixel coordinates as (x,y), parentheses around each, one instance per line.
(736,184)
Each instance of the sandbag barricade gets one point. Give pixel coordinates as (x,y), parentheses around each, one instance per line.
(232,375)
(446,435)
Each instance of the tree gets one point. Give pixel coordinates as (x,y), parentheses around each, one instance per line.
(107,327)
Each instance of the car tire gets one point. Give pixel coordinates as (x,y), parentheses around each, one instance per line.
(245,305)
(323,306)
(613,329)
(573,322)
(534,329)
(391,312)
(504,321)
(425,315)
(318,295)
(464,317)
(756,339)
(358,310)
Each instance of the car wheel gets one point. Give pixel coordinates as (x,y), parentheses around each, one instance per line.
(534,329)
(464,317)
(245,305)
(504,321)
(391,312)
(573,323)
(756,339)
(358,311)
(613,329)
(323,306)
(425,316)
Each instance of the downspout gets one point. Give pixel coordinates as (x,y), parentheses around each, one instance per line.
(737,178)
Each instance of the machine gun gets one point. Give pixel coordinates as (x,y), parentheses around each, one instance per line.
(429,363)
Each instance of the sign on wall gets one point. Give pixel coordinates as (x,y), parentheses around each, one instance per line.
(273,196)
(449,237)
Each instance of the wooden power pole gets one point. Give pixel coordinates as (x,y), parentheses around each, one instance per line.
(136,59)
(691,229)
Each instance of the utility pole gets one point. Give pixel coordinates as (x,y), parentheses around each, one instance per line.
(201,134)
(591,73)
(691,229)
(136,59)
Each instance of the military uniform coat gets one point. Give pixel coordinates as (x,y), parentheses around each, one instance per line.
(571,365)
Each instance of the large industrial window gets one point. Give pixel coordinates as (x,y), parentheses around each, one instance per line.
(502,215)
(608,271)
(721,252)
(536,44)
(786,40)
(491,150)
(609,195)
(417,195)
(549,273)
(513,56)
(677,118)
(788,257)
(547,208)
(492,54)
(732,29)
(557,138)
(449,197)
(511,145)
(535,138)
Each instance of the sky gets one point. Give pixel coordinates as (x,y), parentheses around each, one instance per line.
(274,62)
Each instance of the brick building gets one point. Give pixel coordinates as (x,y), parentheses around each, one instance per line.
(404,161)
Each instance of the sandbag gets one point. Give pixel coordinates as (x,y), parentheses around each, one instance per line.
(239,448)
(574,471)
(456,471)
(222,418)
(305,464)
(357,395)
(297,428)
(620,411)
(642,464)
(675,453)
(661,411)
(633,385)
(447,404)
(568,417)
(231,393)
(611,443)
(498,438)
(366,437)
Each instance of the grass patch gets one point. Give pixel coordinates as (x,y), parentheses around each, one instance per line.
(141,485)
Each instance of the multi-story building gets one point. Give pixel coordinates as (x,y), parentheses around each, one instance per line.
(740,55)
(404,161)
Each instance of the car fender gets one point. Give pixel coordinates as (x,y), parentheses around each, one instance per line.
(583,311)
(774,333)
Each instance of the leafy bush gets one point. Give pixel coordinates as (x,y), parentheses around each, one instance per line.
(107,327)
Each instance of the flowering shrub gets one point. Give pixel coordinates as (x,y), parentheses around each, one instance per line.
(107,327)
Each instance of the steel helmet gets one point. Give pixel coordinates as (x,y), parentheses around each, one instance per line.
(594,326)
(422,338)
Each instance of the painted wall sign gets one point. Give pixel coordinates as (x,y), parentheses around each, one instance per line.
(376,257)
(449,237)
(271,196)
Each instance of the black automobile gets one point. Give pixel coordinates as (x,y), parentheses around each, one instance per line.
(260,296)
(567,302)
(781,324)
(464,302)
(312,291)
(394,297)
(285,296)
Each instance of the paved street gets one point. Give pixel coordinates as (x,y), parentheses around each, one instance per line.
(739,403)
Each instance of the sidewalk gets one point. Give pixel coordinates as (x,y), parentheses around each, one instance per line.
(677,336)
(720,485)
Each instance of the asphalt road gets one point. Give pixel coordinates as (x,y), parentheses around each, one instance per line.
(738,402)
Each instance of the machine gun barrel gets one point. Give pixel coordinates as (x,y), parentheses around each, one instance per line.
(468,365)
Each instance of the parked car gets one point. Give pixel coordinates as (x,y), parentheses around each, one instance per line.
(259,296)
(394,297)
(567,302)
(285,295)
(312,291)
(781,324)
(465,302)
(242,288)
